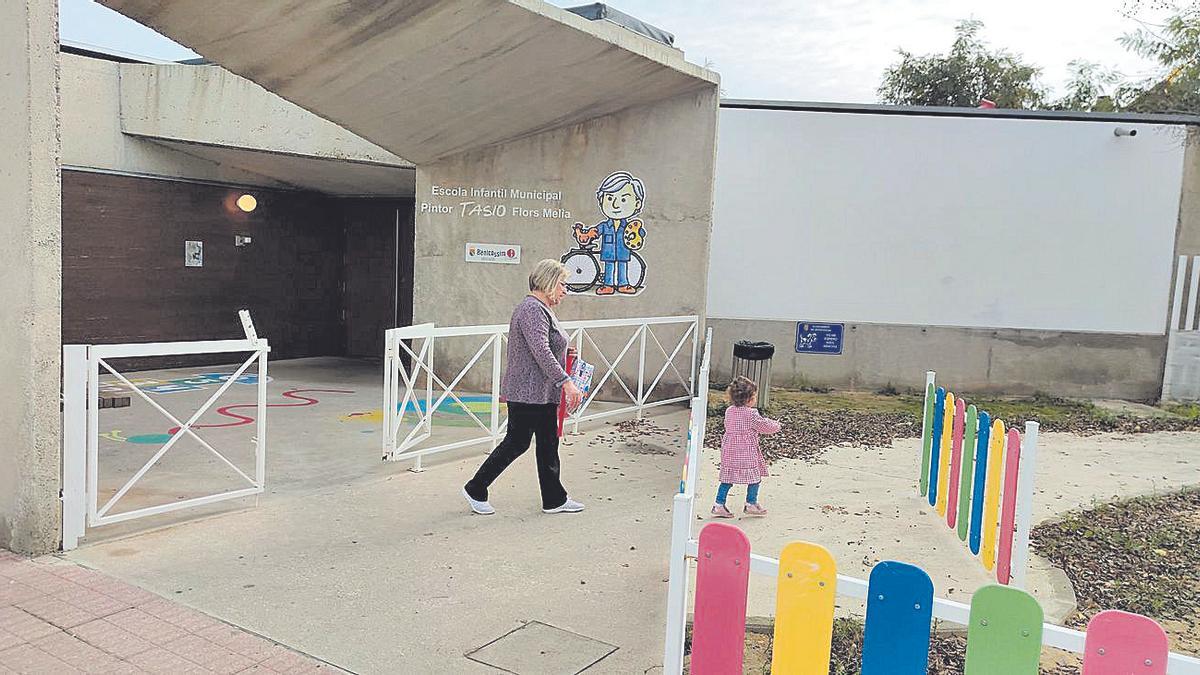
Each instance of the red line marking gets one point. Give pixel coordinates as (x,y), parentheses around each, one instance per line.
(245,419)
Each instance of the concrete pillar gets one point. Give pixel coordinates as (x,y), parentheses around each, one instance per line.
(30,276)
(1189,203)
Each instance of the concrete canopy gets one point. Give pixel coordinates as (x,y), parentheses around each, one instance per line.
(331,176)
(208,112)
(427,79)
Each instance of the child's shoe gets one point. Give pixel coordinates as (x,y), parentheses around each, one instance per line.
(755,510)
(720,511)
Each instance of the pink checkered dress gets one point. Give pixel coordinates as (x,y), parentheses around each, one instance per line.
(742,462)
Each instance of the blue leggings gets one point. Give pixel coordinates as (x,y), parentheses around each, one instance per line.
(751,493)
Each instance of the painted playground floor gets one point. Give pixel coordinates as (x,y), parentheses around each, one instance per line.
(325,427)
(377,569)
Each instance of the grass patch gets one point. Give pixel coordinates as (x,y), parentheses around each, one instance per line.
(1189,411)
(1052,412)
(858,401)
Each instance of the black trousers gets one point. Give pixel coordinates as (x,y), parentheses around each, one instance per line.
(525,421)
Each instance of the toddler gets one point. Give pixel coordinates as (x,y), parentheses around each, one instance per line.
(742,461)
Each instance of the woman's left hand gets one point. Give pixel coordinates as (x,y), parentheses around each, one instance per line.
(574,396)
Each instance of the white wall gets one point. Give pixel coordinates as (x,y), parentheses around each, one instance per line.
(974,222)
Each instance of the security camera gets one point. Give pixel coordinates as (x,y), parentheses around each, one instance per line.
(1122,131)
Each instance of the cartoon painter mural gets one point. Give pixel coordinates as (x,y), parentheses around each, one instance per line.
(618,269)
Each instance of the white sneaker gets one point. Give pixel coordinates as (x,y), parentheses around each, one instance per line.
(482,508)
(569,506)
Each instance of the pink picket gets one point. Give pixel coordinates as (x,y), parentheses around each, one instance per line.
(960,408)
(1008,509)
(1119,643)
(722,580)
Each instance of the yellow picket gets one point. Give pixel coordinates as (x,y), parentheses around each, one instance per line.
(991,502)
(805,594)
(944,460)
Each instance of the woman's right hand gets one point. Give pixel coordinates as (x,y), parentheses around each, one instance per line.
(573,395)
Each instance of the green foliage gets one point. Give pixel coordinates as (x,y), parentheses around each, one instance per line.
(971,71)
(1189,411)
(1087,87)
(968,73)
(1175,45)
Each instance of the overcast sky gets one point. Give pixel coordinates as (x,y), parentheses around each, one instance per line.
(832,50)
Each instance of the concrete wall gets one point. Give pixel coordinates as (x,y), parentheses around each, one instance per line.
(210,105)
(30,284)
(205,123)
(668,145)
(1003,361)
(1181,376)
(92,136)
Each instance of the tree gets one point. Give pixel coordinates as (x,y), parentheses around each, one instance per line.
(1176,47)
(1086,88)
(969,72)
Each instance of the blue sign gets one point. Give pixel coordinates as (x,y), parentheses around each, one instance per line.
(819,338)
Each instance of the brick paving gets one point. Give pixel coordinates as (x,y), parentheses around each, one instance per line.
(59,618)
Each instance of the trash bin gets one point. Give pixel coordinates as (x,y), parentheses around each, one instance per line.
(753,360)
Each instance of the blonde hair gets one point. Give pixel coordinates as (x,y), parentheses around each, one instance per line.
(545,275)
(741,390)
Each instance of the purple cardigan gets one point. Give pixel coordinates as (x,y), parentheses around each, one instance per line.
(537,350)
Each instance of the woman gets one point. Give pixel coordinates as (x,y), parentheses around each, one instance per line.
(533,384)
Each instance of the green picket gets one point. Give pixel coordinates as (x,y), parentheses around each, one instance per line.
(927,438)
(1005,633)
(968,464)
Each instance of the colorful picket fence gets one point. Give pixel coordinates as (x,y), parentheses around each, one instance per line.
(979,477)
(1005,629)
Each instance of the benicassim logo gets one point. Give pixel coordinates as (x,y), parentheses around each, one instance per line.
(472,251)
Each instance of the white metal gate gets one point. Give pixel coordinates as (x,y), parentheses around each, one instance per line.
(1181,377)
(82,368)
(404,392)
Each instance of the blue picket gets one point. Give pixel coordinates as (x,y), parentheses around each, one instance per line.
(981,464)
(899,615)
(939,418)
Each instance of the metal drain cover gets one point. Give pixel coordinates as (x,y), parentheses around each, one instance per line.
(540,649)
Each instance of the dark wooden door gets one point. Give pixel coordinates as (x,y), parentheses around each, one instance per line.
(378,272)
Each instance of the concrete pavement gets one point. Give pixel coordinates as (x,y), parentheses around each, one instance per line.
(394,574)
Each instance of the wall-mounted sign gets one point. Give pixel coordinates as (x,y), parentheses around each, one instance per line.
(193,254)
(819,338)
(506,254)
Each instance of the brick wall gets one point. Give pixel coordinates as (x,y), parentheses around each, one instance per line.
(124,278)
